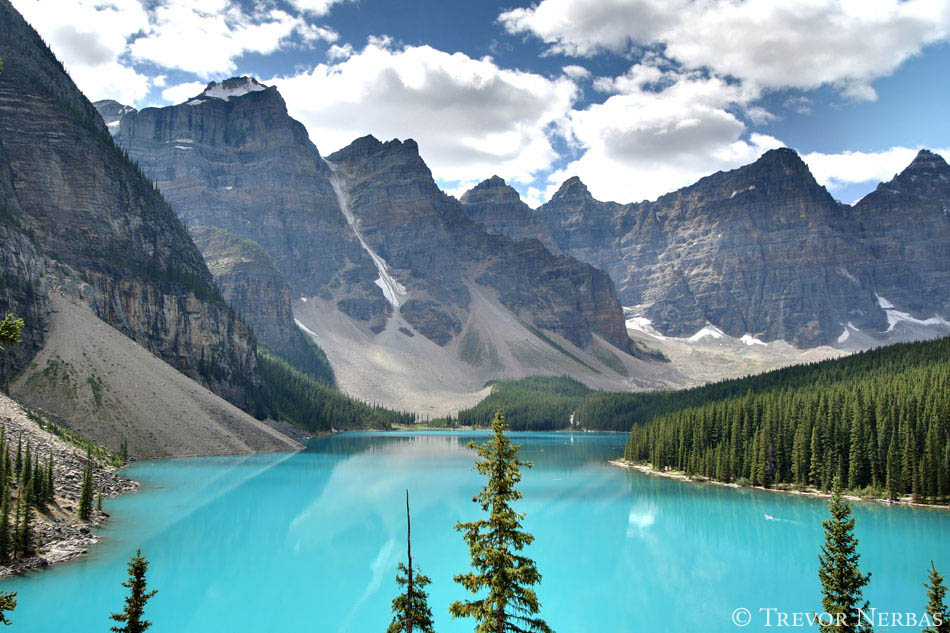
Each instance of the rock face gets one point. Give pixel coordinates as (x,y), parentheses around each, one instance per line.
(232,158)
(906,225)
(111,112)
(367,229)
(250,282)
(437,251)
(79,217)
(764,250)
(499,207)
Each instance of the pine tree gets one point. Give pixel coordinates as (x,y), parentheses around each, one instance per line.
(131,618)
(7,603)
(411,609)
(841,579)
(936,607)
(6,534)
(86,494)
(494,544)
(50,481)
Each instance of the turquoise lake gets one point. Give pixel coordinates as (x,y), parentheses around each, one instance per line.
(310,542)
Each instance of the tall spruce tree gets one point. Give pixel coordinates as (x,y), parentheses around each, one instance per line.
(495,543)
(936,605)
(411,608)
(86,494)
(132,618)
(842,582)
(7,603)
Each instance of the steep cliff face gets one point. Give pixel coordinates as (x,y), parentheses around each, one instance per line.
(499,207)
(250,282)
(906,225)
(415,304)
(112,112)
(80,220)
(764,250)
(437,252)
(368,229)
(232,158)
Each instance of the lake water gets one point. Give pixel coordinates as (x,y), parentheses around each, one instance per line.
(310,542)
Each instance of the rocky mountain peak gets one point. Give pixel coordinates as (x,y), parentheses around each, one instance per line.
(926,164)
(233,87)
(572,188)
(494,188)
(112,112)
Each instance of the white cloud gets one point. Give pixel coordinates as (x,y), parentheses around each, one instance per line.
(470,117)
(205,39)
(315,7)
(576,72)
(837,171)
(89,37)
(100,42)
(661,130)
(182,92)
(772,43)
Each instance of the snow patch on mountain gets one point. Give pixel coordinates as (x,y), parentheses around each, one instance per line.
(750,340)
(708,331)
(232,88)
(392,289)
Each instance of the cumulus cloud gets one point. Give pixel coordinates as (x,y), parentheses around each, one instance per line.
(89,37)
(839,170)
(182,92)
(206,39)
(659,130)
(773,43)
(470,117)
(101,43)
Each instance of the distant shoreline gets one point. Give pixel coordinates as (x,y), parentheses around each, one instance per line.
(809,492)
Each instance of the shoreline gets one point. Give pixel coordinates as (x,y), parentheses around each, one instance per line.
(810,492)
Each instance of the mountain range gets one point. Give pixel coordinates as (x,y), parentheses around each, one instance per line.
(160,258)
(763,251)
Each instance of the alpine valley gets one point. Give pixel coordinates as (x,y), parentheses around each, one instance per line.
(320,330)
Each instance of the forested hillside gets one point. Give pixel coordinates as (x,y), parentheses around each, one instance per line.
(879,420)
(536,403)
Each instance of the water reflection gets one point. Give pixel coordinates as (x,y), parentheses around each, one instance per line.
(311,541)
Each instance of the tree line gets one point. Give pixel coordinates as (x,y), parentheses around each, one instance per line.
(879,422)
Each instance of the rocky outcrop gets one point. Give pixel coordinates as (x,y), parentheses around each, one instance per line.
(59,533)
(437,252)
(500,209)
(232,158)
(765,250)
(250,282)
(906,226)
(112,112)
(367,230)
(80,217)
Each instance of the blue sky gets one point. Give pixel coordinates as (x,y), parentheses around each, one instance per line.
(637,97)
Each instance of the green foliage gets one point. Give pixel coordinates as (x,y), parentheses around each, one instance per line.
(842,582)
(879,420)
(411,608)
(495,545)
(936,603)
(291,395)
(86,494)
(10,329)
(98,453)
(306,356)
(536,403)
(7,603)
(132,617)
